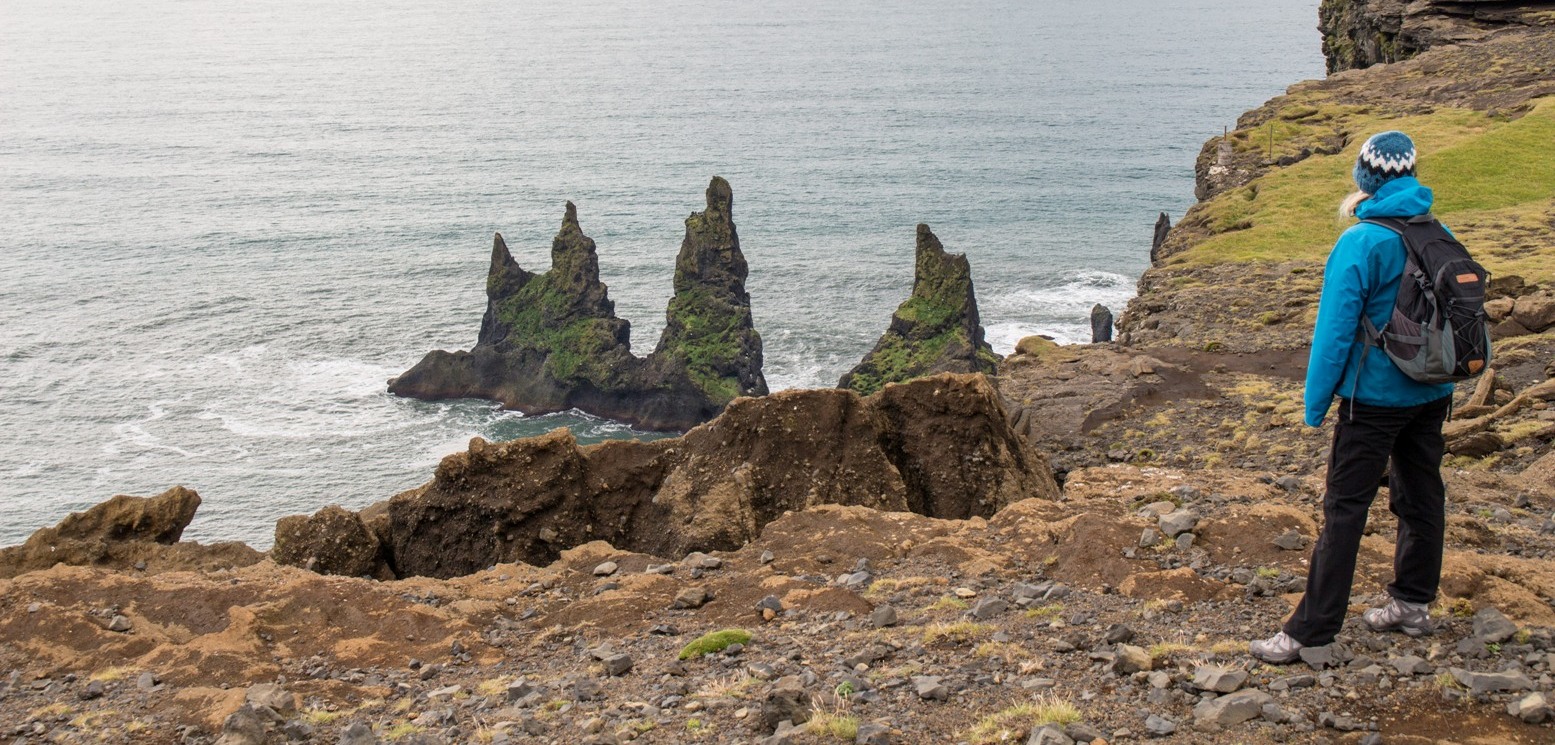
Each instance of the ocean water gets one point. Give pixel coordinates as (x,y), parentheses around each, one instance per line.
(226,224)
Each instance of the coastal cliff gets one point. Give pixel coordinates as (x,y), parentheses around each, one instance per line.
(935,330)
(1361,33)
(551,341)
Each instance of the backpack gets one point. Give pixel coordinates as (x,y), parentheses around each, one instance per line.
(1438,332)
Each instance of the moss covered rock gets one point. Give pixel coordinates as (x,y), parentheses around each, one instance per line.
(936,330)
(551,341)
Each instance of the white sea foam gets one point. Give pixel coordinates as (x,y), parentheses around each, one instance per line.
(29,469)
(1062,311)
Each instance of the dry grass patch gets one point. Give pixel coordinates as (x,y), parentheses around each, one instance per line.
(1019,720)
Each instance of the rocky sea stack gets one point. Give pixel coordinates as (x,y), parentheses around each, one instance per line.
(551,341)
(936,330)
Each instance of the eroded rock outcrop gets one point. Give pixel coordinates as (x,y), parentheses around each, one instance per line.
(551,341)
(938,446)
(122,532)
(1362,33)
(331,541)
(936,330)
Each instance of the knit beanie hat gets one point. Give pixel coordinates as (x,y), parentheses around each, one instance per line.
(1384,157)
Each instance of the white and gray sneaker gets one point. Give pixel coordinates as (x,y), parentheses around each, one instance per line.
(1279,649)
(1413,619)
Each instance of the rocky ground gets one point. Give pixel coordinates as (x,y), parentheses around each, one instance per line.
(1115,614)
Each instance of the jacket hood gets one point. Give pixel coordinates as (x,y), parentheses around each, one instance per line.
(1401,197)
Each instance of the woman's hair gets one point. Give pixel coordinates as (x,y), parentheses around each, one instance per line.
(1347,207)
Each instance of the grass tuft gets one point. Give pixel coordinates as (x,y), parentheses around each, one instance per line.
(1017,721)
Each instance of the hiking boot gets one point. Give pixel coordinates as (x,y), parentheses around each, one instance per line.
(1279,649)
(1413,619)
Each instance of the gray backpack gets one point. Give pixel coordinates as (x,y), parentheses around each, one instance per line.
(1438,332)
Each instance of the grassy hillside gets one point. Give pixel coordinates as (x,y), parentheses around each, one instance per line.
(1494,178)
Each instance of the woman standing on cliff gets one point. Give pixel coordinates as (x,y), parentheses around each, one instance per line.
(1383,415)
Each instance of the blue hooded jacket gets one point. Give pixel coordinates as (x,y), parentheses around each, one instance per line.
(1362,275)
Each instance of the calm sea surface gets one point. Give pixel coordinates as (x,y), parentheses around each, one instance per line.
(225,224)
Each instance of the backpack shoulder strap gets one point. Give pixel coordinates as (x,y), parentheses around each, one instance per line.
(1391,223)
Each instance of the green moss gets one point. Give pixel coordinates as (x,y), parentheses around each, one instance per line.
(896,359)
(716,641)
(542,317)
(708,334)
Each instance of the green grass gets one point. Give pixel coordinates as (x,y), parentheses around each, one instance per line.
(1487,174)
(716,641)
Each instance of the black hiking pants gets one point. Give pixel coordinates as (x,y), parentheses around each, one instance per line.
(1365,439)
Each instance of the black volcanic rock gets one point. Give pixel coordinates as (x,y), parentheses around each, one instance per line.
(936,330)
(1163,228)
(551,341)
